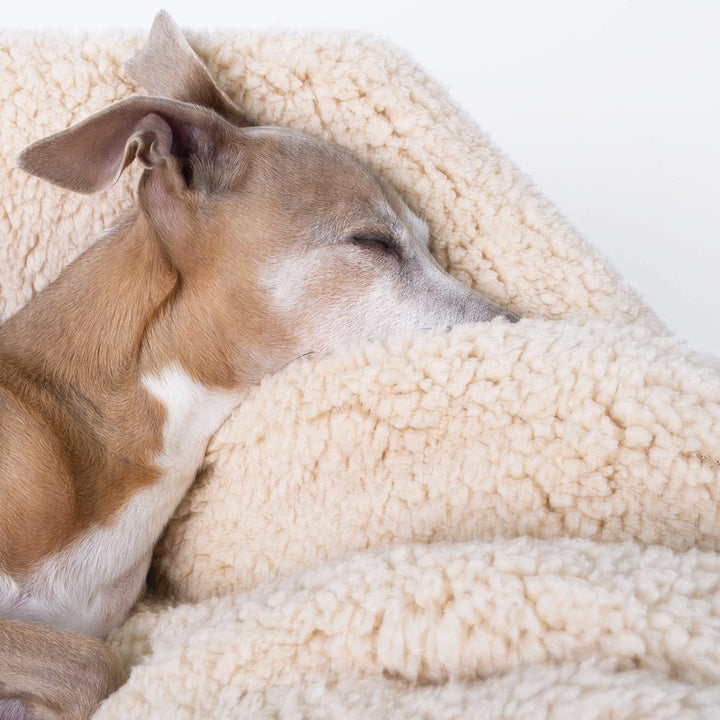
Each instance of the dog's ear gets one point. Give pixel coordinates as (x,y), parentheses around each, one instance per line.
(168,66)
(183,148)
(91,155)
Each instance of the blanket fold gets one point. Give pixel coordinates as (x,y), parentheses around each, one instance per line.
(497,521)
(463,617)
(544,429)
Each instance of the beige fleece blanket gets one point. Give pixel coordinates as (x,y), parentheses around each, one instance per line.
(500,521)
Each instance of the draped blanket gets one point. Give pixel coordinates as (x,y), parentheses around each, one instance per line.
(498,521)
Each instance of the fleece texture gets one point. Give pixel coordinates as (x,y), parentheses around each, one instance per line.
(500,521)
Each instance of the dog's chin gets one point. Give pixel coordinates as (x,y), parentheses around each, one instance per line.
(500,315)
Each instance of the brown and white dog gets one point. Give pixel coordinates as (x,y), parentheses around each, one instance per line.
(249,247)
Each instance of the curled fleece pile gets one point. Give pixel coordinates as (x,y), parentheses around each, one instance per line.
(500,521)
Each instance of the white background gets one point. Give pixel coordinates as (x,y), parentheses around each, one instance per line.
(612,107)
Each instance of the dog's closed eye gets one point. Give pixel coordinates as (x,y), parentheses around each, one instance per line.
(377,242)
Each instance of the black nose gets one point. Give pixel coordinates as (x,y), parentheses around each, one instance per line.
(509,315)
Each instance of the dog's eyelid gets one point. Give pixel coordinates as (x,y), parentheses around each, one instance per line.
(377,241)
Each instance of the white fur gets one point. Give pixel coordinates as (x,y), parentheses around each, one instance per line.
(381,310)
(288,279)
(90,586)
(194,412)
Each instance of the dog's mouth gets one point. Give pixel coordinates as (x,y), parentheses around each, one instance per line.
(503,315)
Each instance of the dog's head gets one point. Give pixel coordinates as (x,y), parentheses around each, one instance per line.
(282,235)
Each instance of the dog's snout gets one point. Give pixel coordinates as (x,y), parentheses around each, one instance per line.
(477,309)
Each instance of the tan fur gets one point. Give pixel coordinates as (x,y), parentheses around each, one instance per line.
(73,420)
(168,66)
(48,674)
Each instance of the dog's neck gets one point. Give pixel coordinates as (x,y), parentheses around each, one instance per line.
(116,314)
(103,354)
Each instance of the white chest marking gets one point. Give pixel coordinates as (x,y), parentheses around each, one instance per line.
(90,586)
(194,413)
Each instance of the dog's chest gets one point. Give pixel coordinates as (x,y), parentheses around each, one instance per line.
(90,585)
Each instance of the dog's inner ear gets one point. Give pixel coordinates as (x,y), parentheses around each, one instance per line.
(152,143)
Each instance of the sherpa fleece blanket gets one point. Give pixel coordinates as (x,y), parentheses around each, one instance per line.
(500,521)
